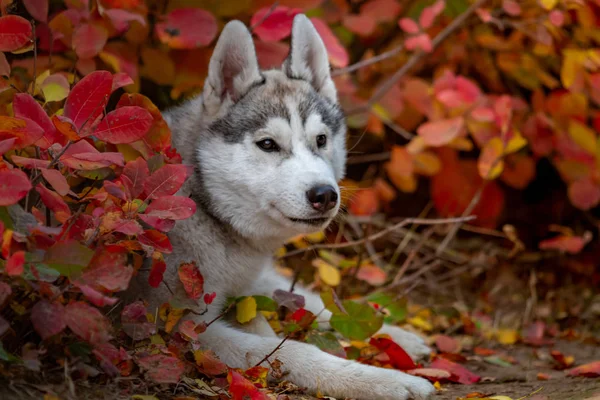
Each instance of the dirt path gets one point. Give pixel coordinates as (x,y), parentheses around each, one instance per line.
(521,379)
(515,381)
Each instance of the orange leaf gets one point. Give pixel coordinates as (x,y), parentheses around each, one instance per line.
(490,163)
(439,133)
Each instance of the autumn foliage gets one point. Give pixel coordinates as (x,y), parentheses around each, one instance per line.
(89,179)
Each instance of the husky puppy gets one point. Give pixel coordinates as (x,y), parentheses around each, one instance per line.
(268,148)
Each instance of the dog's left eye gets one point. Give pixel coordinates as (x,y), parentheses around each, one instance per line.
(268,145)
(321,141)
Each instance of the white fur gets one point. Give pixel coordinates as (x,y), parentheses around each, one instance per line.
(253,190)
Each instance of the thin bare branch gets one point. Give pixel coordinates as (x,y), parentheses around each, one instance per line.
(264,18)
(370,61)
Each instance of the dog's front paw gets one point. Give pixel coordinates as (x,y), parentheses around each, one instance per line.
(407,387)
(414,345)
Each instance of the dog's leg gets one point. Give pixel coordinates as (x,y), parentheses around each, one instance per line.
(270,280)
(313,369)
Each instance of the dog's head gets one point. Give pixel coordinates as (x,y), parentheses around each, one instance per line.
(274,148)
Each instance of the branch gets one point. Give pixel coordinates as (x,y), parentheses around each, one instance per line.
(407,221)
(264,18)
(273,352)
(416,58)
(365,63)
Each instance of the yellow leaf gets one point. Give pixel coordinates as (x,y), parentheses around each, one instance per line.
(583,136)
(419,322)
(157,339)
(437,385)
(548,4)
(571,68)
(315,237)
(416,145)
(173,318)
(329,274)
(427,163)
(516,143)
(507,336)
(461,143)
(129,153)
(490,163)
(246,310)
(56,88)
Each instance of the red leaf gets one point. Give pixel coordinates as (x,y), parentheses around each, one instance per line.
(241,388)
(7,145)
(372,274)
(88,98)
(54,202)
(156,273)
(124,125)
(167,180)
(207,361)
(511,7)
(163,225)
(14,185)
(161,368)
(87,322)
(192,280)
(134,320)
(157,240)
(15,264)
(95,297)
(15,32)
(91,161)
(430,13)
(408,25)
(364,202)
(338,57)
(584,194)
(208,298)
(421,41)
(109,270)
(29,162)
(47,318)
(271,54)
(590,370)
(25,106)
(171,207)
(277,25)
(38,9)
(57,180)
(447,344)
(89,40)
(459,373)
(121,79)
(439,133)
(434,375)
(187,28)
(137,171)
(398,357)
(566,244)
(121,18)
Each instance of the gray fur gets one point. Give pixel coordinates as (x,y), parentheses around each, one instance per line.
(246,198)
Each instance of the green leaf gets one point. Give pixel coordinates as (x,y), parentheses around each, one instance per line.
(97,174)
(6,219)
(394,309)
(360,323)
(42,273)
(332,302)
(6,356)
(69,257)
(264,303)
(327,342)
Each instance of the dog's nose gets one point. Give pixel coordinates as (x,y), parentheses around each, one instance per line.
(322,198)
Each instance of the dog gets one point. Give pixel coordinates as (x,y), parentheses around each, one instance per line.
(268,148)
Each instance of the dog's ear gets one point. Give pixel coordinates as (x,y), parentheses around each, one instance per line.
(233,67)
(308,58)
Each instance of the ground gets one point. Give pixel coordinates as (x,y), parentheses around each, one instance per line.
(516,381)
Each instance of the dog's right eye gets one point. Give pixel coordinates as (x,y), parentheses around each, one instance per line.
(268,145)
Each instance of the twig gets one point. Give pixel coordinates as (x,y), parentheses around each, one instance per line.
(365,63)
(53,162)
(456,227)
(218,317)
(264,18)
(421,221)
(416,58)
(273,352)
(368,158)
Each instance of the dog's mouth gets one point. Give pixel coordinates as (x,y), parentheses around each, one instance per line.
(309,221)
(313,221)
